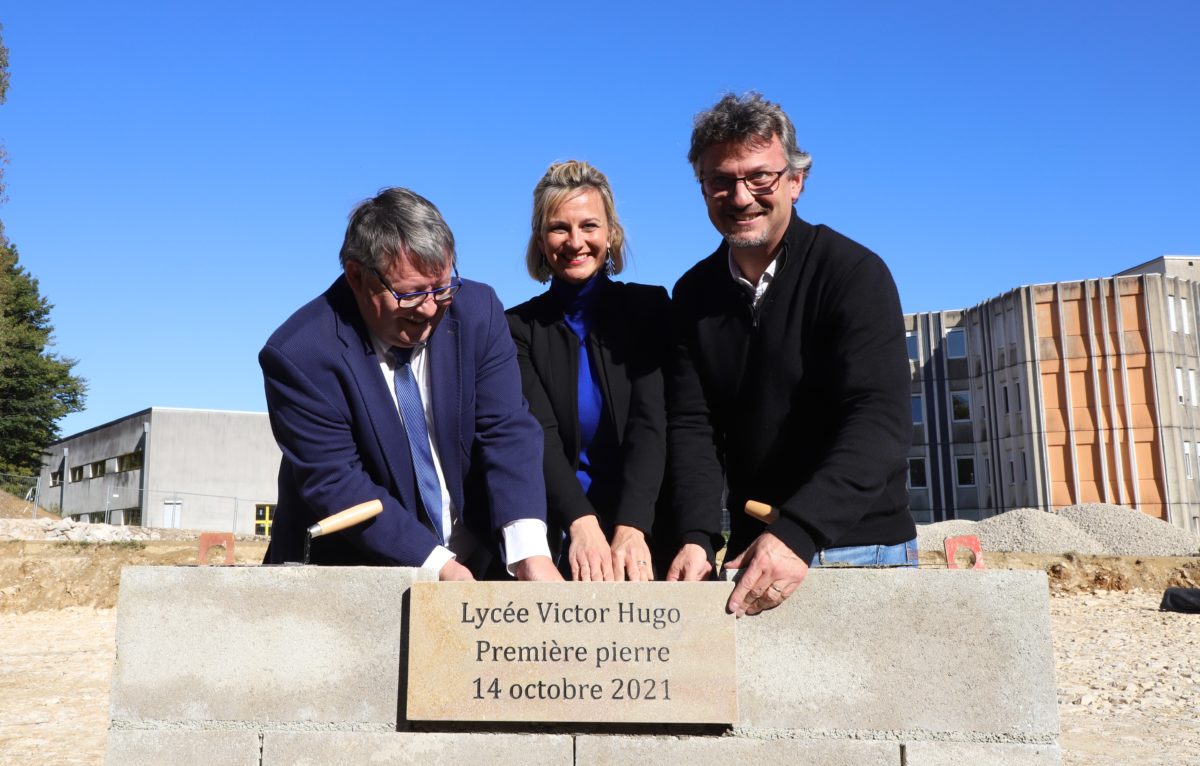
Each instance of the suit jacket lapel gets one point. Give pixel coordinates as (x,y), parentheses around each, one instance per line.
(446,388)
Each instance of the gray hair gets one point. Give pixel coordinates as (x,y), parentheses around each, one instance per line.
(562,181)
(750,119)
(398,222)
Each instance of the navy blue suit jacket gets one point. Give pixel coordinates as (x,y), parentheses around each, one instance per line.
(343,441)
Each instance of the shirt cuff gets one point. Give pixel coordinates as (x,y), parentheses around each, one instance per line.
(437,559)
(524,538)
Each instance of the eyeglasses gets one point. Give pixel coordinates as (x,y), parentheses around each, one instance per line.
(412,300)
(760,183)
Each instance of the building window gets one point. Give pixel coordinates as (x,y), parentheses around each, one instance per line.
(77,473)
(55,478)
(130,461)
(966,471)
(97,469)
(1183,316)
(918,410)
(1017,395)
(1024,467)
(1004,390)
(956,343)
(1187,459)
(1171,314)
(1179,383)
(916,473)
(262,518)
(913,348)
(1012,469)
(960,405)
(1192,387)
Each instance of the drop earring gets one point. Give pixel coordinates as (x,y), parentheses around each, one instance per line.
(610,268)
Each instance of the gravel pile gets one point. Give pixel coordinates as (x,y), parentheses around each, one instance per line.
(66,530)
(1126,532)
(1087,529)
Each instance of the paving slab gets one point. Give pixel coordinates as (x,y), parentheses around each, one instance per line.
(958,753)
(404,748)
(903,650)
(267,644)
(134,747)
(596,750)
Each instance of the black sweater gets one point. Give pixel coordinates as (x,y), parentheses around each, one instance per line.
(804,402)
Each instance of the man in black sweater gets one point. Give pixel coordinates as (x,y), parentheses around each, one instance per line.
(789,376)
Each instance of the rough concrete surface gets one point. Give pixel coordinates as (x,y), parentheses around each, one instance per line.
(919,652)
(404,748)
(259,644)
(959,753)
(615,751)
(182,748)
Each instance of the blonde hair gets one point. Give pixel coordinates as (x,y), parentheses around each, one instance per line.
(562,181)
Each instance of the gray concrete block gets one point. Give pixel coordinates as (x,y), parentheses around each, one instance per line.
(618,750)
(265,644)
(903,651)
(401,748)
(134,747)
(958,753)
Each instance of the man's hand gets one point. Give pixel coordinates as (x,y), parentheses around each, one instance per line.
(589,553)
(690,564)
(452,570)
(770,571)
(538,568)
(630,555)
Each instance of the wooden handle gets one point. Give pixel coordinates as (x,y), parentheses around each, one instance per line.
(761,511)
(353,515)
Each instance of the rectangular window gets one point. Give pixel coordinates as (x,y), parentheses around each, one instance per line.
(262,518)
(956,343)
(1024,467)
(1179,383)
(55,478)
(130,461)
(1012,469)
(1171,313)
(960,405)
(1004,389)
(966,471)
(916,473)
(1017,395)
(77,473)
(913,347)
(1187,459)
(1184,317)
(1192,387)
(97,469)
(918,410)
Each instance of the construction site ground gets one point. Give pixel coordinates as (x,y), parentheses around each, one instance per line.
(1128,674)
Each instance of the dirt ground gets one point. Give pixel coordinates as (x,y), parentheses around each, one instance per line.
(57,644)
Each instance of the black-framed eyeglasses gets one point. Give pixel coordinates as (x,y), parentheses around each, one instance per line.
(758,184)
(412,300)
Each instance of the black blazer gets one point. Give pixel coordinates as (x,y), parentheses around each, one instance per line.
(628,341)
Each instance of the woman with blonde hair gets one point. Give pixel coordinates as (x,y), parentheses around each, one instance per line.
(591,351)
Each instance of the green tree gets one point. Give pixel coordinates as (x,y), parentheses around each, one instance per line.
(37,388)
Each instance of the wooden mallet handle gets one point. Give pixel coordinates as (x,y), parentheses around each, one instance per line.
(761,511)
(355,514)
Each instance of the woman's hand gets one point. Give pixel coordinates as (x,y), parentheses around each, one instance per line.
(630,555)
(589,554)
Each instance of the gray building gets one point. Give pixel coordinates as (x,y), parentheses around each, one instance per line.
(166,467)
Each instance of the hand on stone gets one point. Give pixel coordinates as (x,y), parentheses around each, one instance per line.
(452,570)
(690,564)
(589,554)
(538,568)
(630,555)
(769,573)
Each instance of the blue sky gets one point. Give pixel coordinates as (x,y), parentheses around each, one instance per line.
(180,175)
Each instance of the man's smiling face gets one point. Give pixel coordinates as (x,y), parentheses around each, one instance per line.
(750,222)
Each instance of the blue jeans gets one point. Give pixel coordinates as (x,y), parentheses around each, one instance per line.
(899,555)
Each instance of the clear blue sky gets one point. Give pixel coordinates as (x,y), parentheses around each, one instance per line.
(180,174)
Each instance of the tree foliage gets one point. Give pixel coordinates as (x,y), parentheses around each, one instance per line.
(37,388)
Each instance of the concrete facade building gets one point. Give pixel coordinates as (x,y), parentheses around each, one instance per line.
(165,467)
(1058,394)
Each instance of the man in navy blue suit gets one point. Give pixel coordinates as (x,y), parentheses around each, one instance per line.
(348,376)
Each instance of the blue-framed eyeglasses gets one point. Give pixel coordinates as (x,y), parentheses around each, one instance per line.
(412,300)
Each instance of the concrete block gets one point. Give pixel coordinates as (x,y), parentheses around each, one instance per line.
(337,748)
(903,650)
(619,750)
(314,645)
(134,747)
(957,753)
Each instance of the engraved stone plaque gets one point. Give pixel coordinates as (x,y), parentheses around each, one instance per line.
(593,652)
